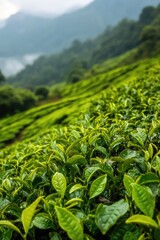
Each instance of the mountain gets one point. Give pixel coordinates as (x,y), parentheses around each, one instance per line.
(86,164)
(71,64)
(21,33)
(27,34)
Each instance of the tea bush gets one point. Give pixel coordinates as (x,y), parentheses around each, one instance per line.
(75,99)
(95,178)
(14,100)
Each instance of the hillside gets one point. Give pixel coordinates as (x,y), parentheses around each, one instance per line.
(91,156)
(75,98)
(85,164)
(71,64)
(35,35)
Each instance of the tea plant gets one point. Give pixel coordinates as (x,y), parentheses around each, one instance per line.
(76,98)
(95,178)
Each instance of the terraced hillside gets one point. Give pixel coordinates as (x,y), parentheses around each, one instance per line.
(86,166)
(76,98)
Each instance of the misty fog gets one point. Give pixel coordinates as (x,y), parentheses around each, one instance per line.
(12,65)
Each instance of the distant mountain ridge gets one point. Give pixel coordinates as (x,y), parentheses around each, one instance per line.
(27,34)
(141,36)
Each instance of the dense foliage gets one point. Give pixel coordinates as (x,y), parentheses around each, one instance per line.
(42,35)
(71,64)
(67,101)
(95,178)
(42,92)
(86,166)
(2,78)
(14,100)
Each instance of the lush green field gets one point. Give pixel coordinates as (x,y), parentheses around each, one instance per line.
(76,98)
(85,163)
(86,166)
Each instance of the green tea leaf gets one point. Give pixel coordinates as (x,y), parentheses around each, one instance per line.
(87,237)
(146,155)
(150,150)
(120,230)
(142,237)
(127,180)
(59,183)
(78,213)
(107,216)
(99,149)
(148,177)
(158,164)
(76,187)
(10,225)
(6,234)
(106,168)
(116,143)
(143,199)
(98,186)
(139,136)
(72,147)
(131,235)
(69,223)
(6,183)
(89,172)
(55,236)
(142,219)
(158,219)
(127,154)
(3,203)
(73,200)
(28,214)
(42,221)
(77,159)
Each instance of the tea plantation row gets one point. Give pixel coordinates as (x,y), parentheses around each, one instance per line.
(96,177)
(76,99)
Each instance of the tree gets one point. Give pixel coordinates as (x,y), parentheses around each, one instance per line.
(13,100)
(42,92)
(150,40)
(149,34)
(2,78)
(148,15)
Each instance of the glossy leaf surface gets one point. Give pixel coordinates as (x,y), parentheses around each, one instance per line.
(142,219)
(10,225)
(127,180)
(42,221)
(76,187)
(59,183)
(107,216)
(98,186)
(143,199)
(28,214)
(69,223)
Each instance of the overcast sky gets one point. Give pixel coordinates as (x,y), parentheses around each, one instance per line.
(9,7)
